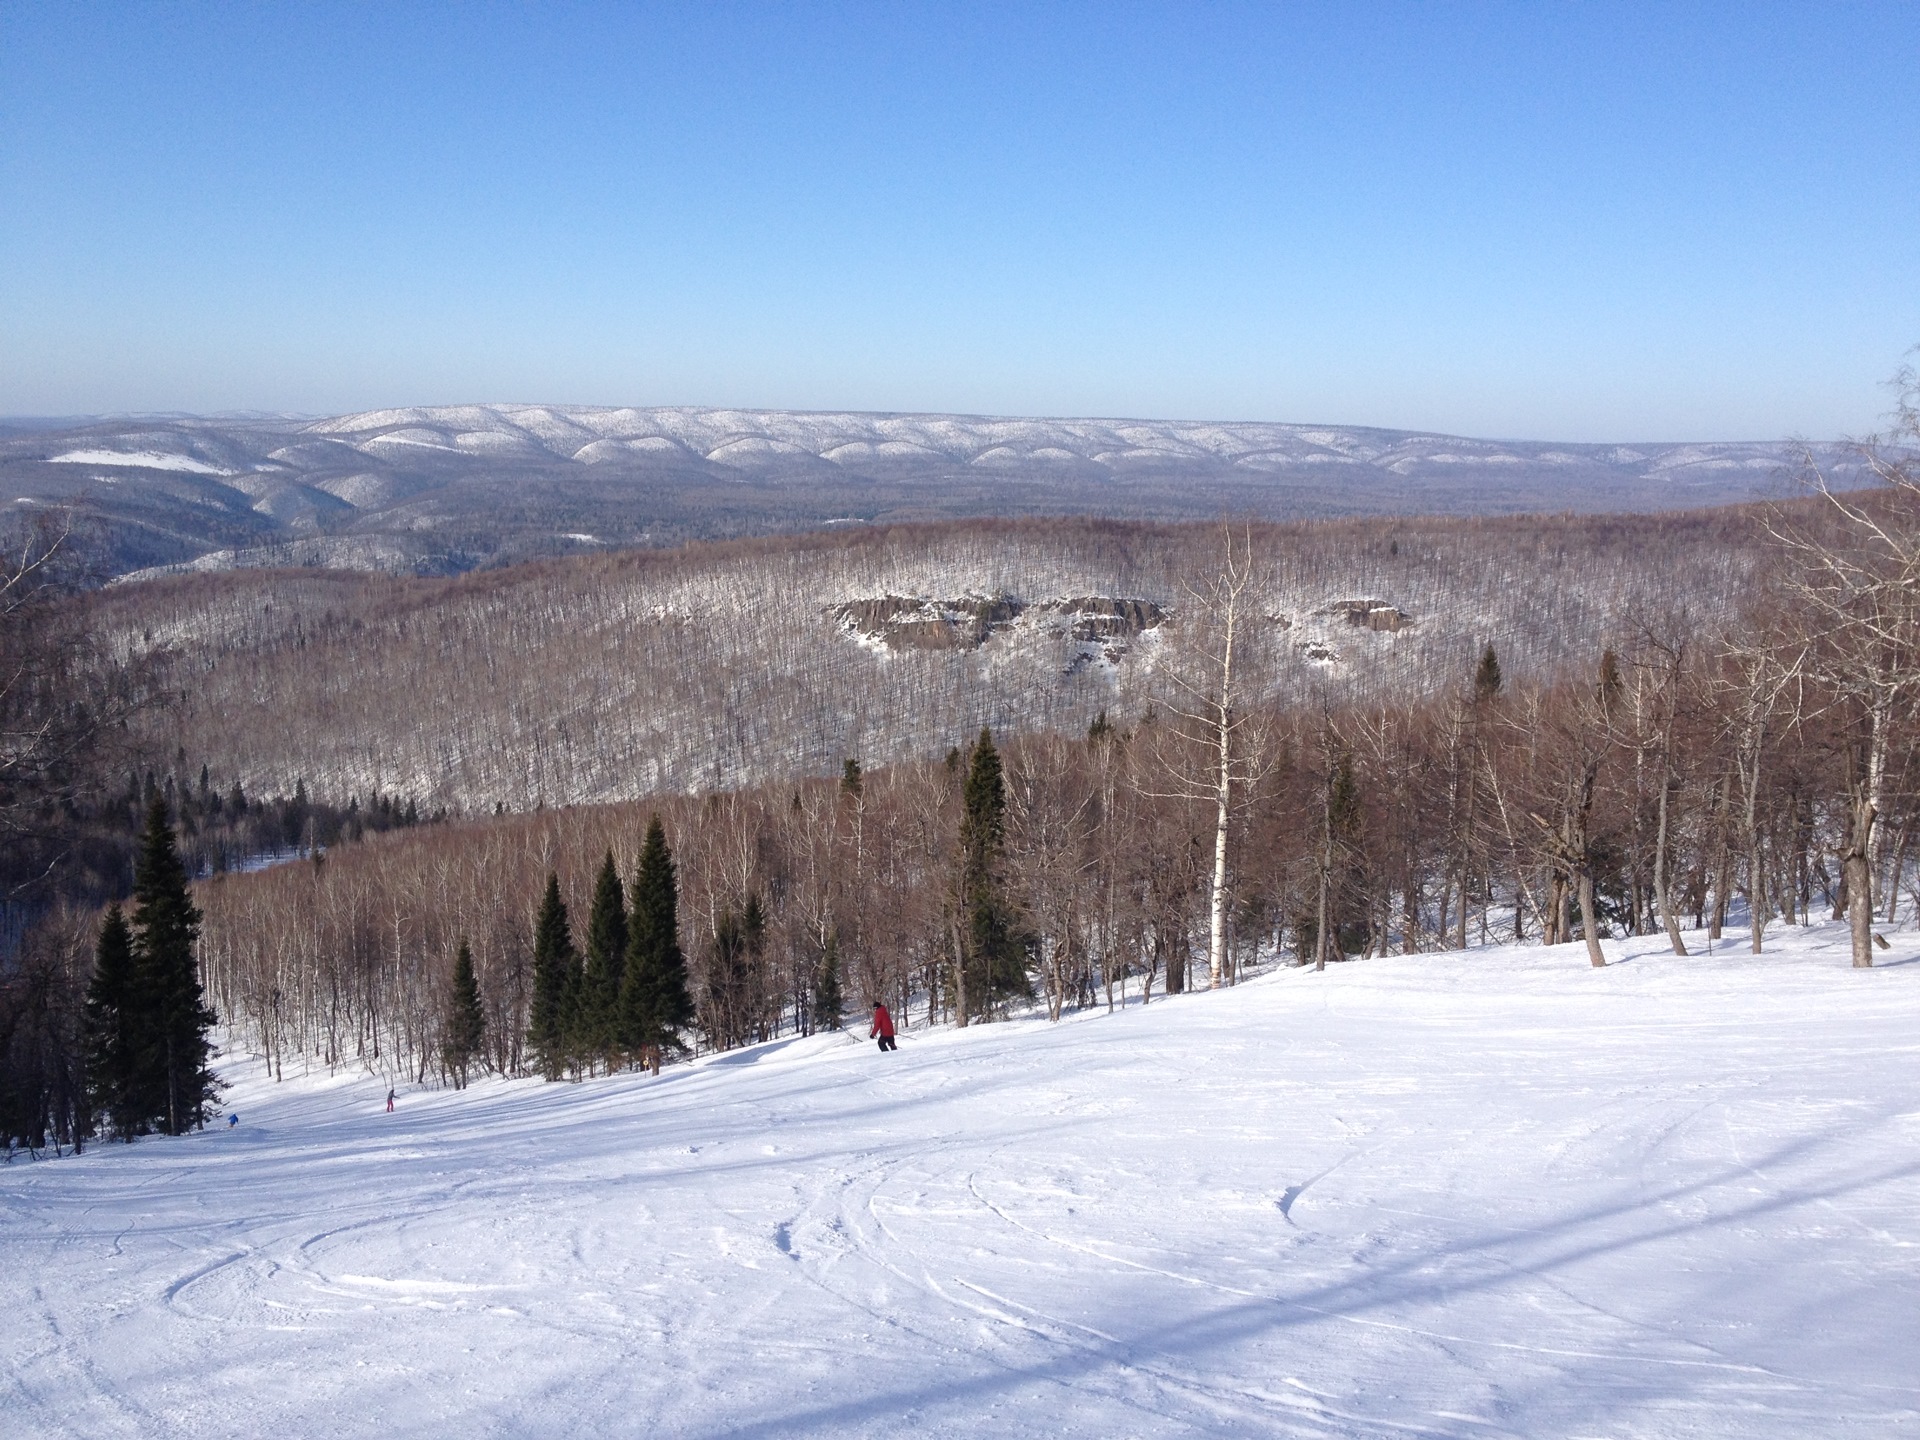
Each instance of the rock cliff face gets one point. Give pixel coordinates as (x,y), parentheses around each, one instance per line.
(1370,614)
(919,622)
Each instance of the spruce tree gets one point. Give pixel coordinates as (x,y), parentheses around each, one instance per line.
(654,1003)
(606,962)
(1345,816)
(828,1000)
(723,1014)
(173,1085)
(993,967)
(1486,677)
(113,1016)
(466,1020)
(555,983)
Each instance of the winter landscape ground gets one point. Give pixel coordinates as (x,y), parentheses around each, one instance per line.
(1490,1193)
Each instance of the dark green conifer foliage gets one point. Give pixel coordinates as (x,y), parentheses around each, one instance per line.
(734,1013)
(556,969)
(113,1040)
(173,1083)
(994,966)
(1486,678)
(1348,900)
(723,1013)
(466,1020)
(828,998)
(654,1003)
(606,961)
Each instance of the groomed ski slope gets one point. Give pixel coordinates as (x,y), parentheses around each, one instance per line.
(1490,1194)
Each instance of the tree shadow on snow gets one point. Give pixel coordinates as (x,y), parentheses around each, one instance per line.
(1407,1283)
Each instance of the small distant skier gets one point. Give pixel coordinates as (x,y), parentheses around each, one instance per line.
(389,1102)
(232,1120)
(882,1027)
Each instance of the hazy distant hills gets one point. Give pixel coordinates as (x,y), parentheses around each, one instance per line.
(446,489)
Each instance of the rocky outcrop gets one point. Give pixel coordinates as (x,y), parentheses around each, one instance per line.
(914,622)
(920,622)
(1103,617)
(1370,614)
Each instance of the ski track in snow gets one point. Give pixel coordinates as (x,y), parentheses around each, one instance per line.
(1480,1195)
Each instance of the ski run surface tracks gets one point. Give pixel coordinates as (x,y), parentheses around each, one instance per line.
(1496,1193)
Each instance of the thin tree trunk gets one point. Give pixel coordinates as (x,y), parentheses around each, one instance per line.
(1899,869)
(1661,889)
(1587,919)
(1856,869)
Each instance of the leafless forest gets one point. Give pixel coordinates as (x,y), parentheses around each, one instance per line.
(1725,726)
(1221,747)
(719,666)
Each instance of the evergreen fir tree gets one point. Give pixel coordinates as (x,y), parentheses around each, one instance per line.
(598,1021)
(654,1003)
(173,1085)
(1486,677)
(995,962)
(722,1015)
(555,981)
(828,999)
(1347,902)
(467,1020)
(113,1040)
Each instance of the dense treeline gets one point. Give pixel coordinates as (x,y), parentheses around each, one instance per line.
(1646,797)
(1710,766)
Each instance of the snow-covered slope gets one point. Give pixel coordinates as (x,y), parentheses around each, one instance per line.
(1490,1194)
(443,488)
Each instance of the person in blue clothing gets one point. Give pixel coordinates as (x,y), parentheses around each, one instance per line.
(232,1120)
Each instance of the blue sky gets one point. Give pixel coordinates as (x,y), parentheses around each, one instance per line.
(1546,220)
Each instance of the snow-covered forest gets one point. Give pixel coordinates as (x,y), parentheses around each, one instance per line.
(716,666)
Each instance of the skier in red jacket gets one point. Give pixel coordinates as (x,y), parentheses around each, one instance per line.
(882,1027)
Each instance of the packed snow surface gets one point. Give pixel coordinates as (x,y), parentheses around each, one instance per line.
(1489,1194)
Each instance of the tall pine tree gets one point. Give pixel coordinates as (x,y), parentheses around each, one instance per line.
(993,957)
(113,1040)
(466,1020)
(556,972)
(606,962)
(654,1003)
(1486,676)
(173,1083)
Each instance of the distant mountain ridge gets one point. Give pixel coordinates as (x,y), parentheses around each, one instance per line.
(446,488)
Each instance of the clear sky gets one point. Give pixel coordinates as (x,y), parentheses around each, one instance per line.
(1536,220)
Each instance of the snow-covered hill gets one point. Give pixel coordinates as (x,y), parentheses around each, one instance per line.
(444,488)
(1486,1194)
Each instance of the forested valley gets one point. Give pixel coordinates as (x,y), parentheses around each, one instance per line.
(588,814)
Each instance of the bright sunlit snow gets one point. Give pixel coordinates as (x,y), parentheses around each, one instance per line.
(1490,1194)
(140,459)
